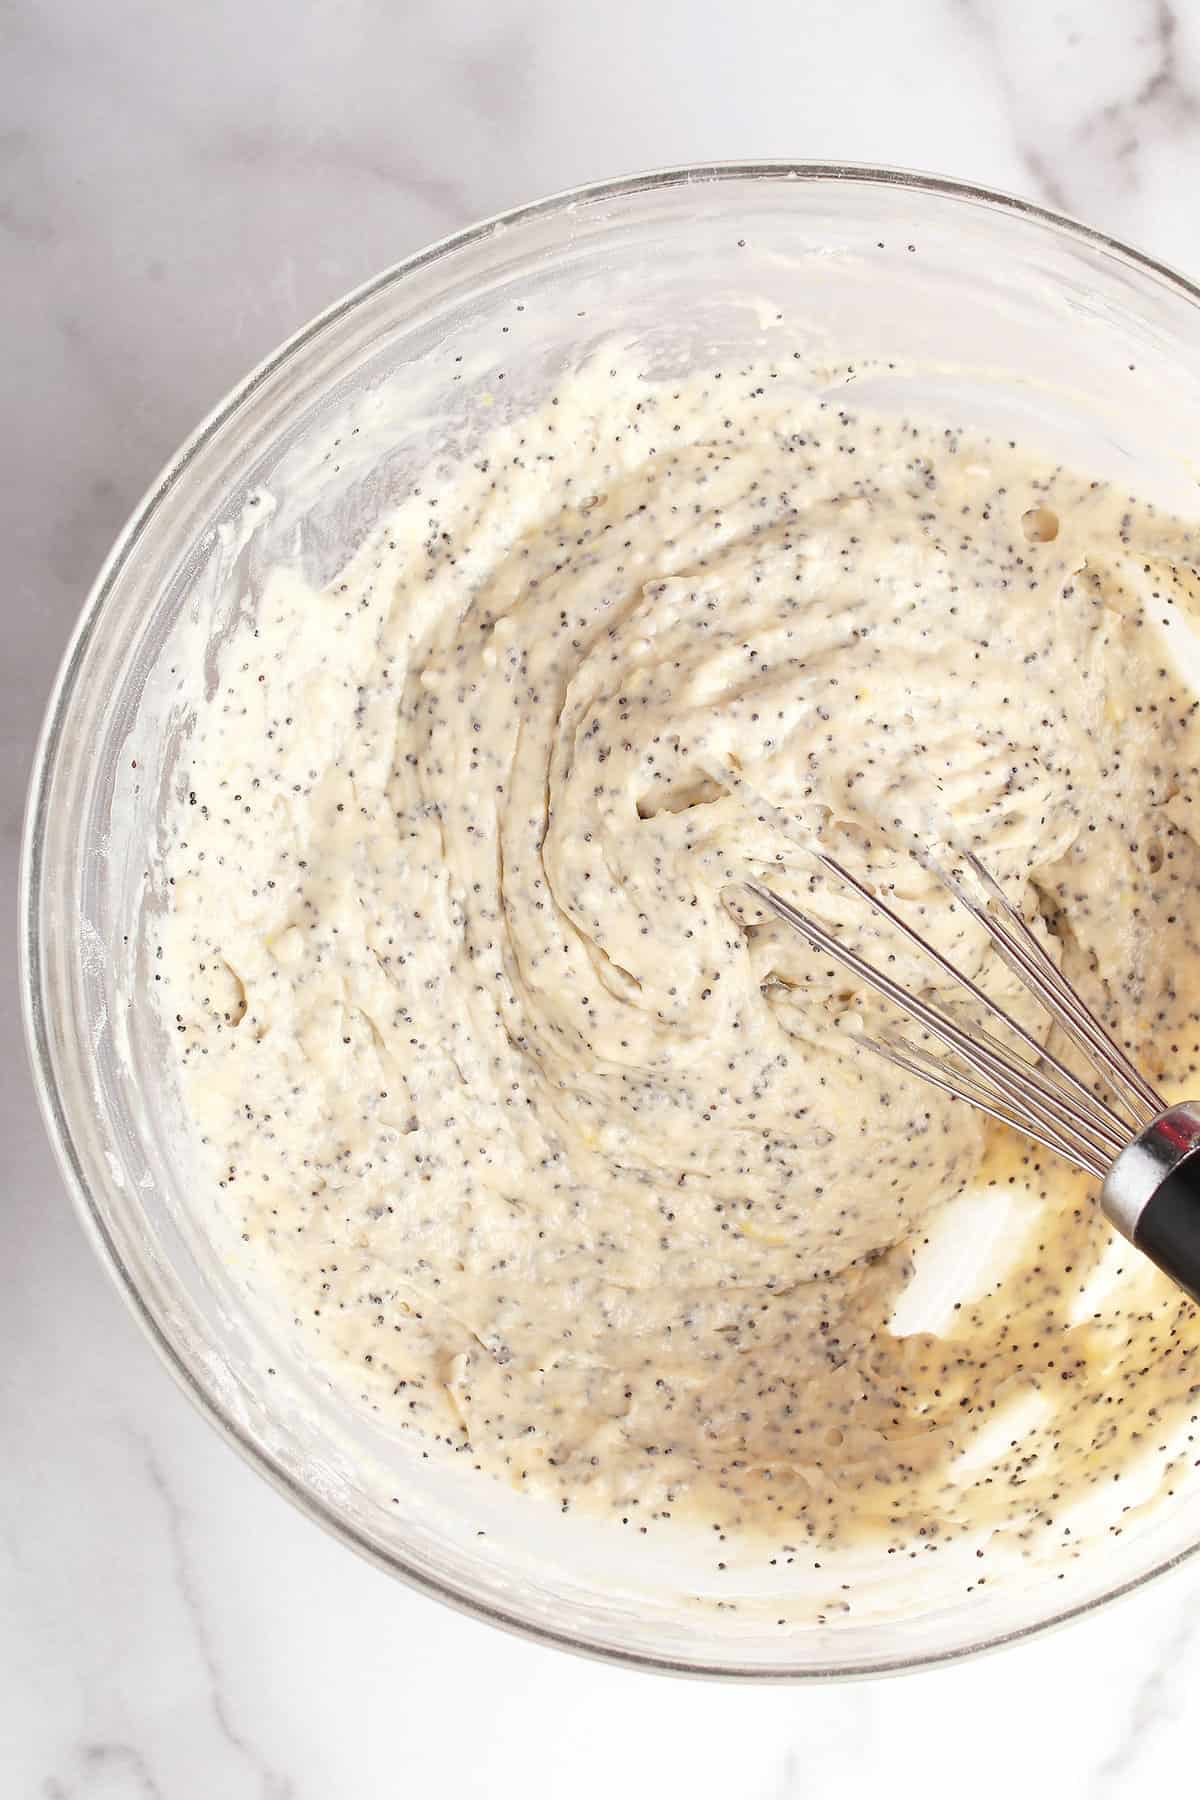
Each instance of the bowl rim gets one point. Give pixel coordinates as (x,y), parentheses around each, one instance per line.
(30,895)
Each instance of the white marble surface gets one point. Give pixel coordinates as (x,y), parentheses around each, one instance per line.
(182,186)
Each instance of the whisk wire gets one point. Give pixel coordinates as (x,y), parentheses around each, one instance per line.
(1149,1171)
(1066,1077)
(1038,1106)
(1029,961)
(1105,1129)
(962,1086)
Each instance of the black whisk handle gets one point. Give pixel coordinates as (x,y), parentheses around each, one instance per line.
(1152,1195)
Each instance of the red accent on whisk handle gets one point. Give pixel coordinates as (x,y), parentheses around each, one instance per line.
(1152,1195)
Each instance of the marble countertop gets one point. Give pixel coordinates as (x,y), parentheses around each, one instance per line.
(182,187)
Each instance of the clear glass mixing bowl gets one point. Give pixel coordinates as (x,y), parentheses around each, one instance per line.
(992,311)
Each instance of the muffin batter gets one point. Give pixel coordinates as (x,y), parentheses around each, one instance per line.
(552,1149)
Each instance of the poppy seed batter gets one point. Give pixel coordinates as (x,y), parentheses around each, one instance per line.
(555,1150)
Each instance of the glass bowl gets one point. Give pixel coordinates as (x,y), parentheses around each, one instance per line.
(990,310)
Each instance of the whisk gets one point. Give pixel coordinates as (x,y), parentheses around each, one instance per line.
(1143,1152)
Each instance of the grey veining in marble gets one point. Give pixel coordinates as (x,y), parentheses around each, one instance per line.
(180,187)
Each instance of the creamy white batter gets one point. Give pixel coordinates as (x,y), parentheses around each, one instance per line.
(555,1154)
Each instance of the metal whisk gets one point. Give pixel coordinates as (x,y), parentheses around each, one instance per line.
(1141,1151)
